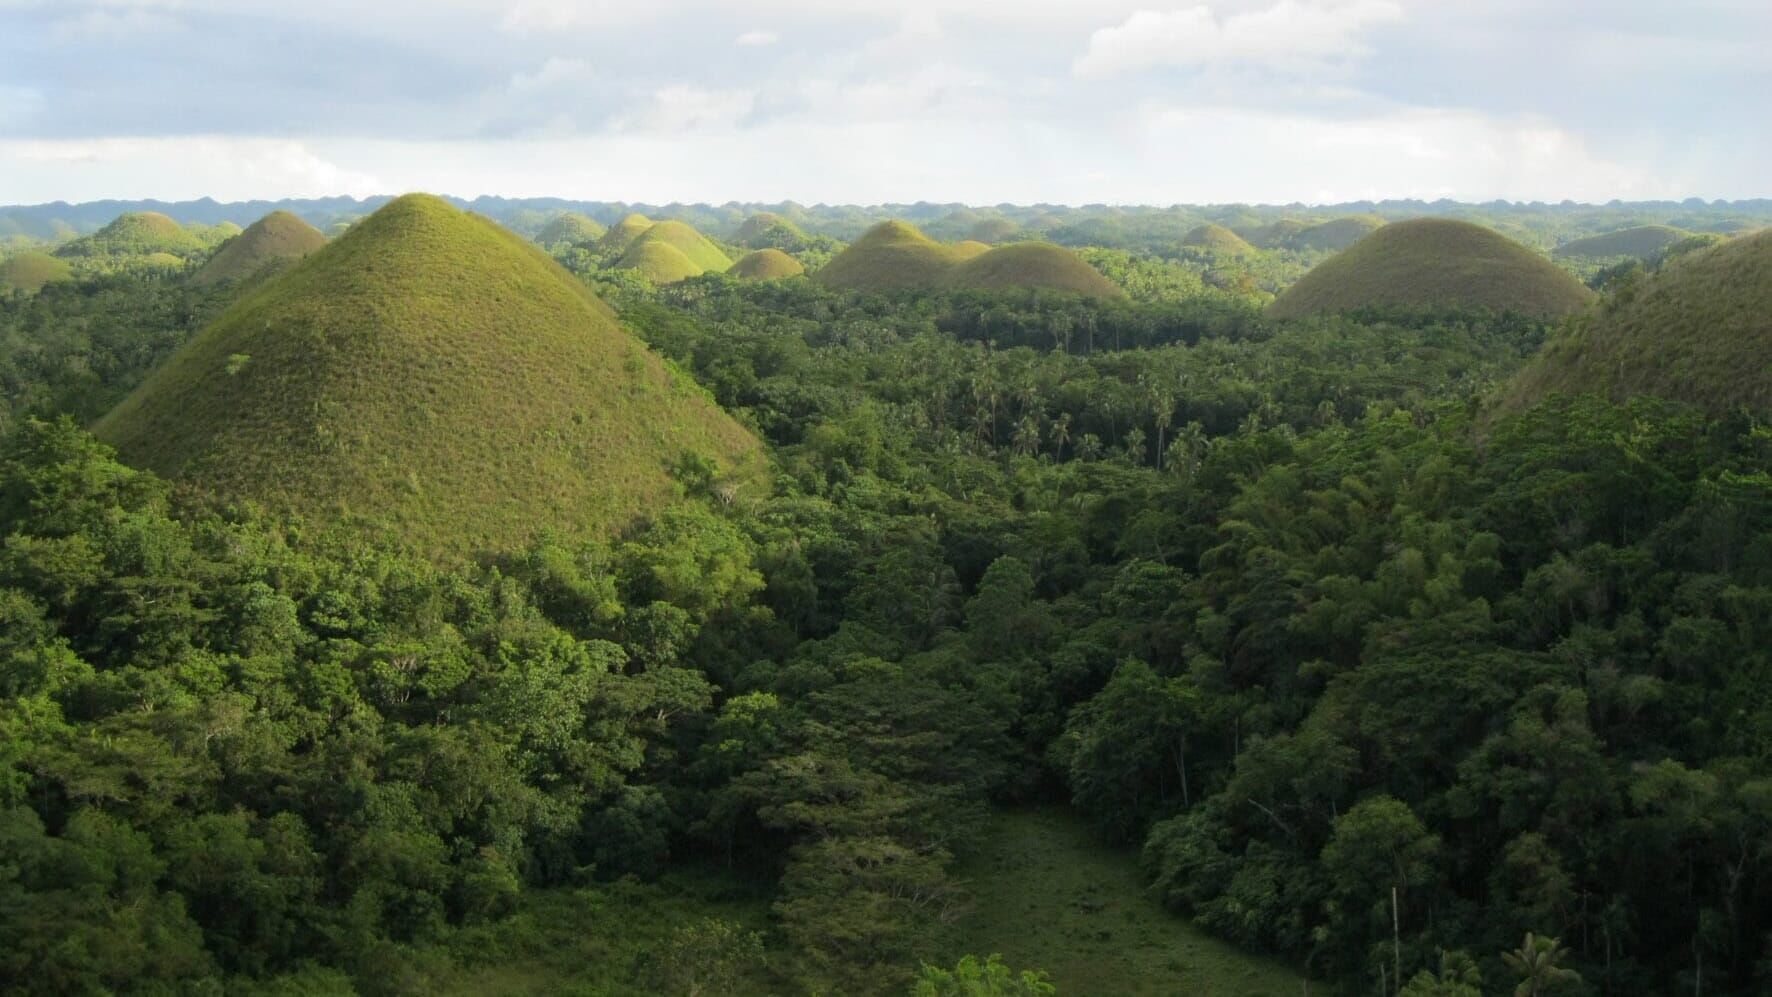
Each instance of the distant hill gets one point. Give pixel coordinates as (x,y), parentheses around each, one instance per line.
(659,262)
(139,234)
(1434,263)
(968,248)
(993,230)
(1216,238)
(1337,234)
(431,377)
(276,240)
(572,228)
(1699,330)
(892,255)
(768,230)
(622,234)
(1274,235)
(30,270)
(1642,242)
(1031,265)
(766,264)
(686,240)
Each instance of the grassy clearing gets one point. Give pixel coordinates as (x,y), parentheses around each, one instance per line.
(599,940)
(1049,896)
(1435,263)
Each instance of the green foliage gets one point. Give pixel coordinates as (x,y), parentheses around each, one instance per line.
(972,977)
(1435,263)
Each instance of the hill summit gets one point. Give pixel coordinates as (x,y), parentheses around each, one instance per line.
(1698,330)
(891,256)
(572,228)
(1032,264)
(1435,263)
(896,256)
(139,233)
(1216,238)
(766,264)
(432,377)
(275,240)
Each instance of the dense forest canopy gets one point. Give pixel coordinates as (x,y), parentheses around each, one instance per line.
(1392,687)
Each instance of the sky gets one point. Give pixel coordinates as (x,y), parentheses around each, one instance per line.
(980,101)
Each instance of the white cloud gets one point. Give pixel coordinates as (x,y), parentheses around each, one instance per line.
(757,38)
(1290,36)
(217,166)
(682,108)
(553,74)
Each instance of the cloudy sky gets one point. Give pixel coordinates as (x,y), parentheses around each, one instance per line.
(1149,101)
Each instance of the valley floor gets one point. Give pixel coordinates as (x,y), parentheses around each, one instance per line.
(1050,896)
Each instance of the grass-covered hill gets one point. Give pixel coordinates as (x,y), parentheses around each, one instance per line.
(1434,263)
(1699,330)
(433,377)
(768,230)
(659,262)
(572,228)
(766,264)
(137,234)
(686,240)
(622,234)
(1336,234)
(1031,265)
(276,240)
(1216,238)
(966,249)
(993,230)
(891,256)
(1642,242)
(30,270)
(1273,235)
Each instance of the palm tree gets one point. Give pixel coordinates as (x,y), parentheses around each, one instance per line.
(1536,961)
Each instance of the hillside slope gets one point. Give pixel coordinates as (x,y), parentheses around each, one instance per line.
(1698,331)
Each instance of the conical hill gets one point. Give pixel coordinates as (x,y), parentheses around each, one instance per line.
(431,377)
(1435,263)
(276,240)
(766,264)
(891,256)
